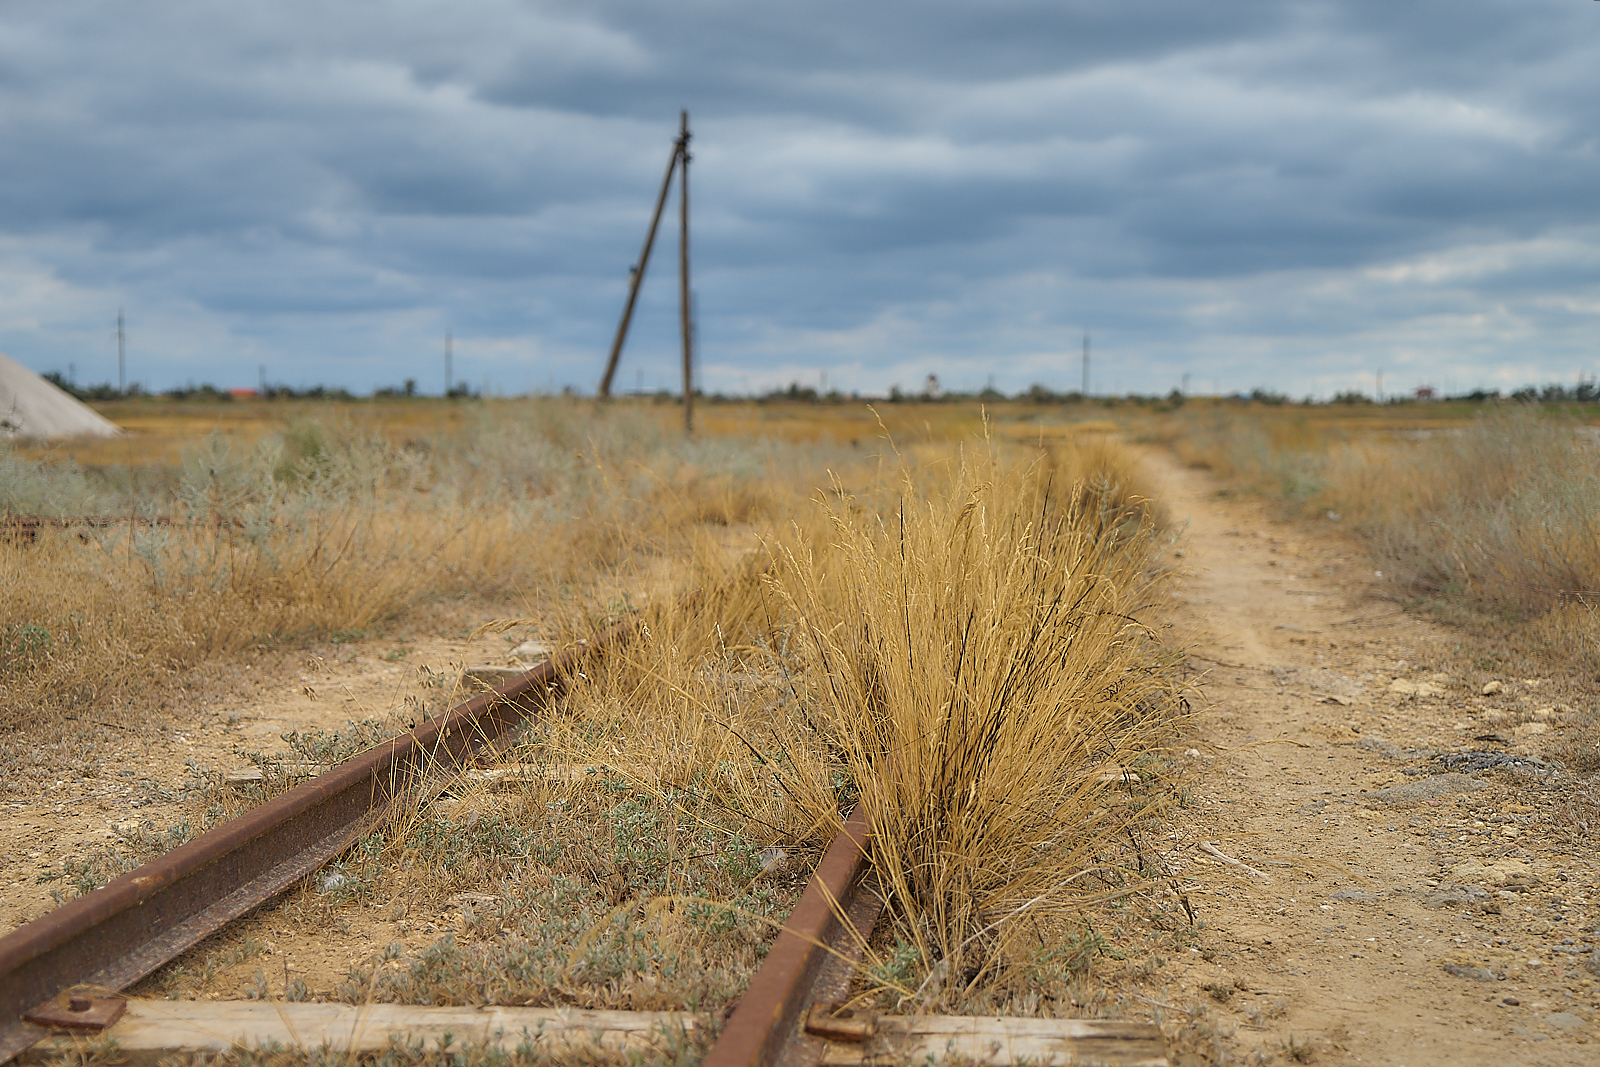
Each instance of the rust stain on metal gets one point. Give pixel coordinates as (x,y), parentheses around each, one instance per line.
(832,1022)
(767,1021)
(78,1011)
(123,931)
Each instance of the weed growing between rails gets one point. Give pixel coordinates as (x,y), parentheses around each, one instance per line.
(985,657)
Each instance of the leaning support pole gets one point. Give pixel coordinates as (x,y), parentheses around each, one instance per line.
(638,275)
(685,317)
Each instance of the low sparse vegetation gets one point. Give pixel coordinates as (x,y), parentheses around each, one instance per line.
(965,635)
(1492,520)
(323,529)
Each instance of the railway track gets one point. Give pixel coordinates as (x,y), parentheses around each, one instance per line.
(110,938)
(57,972)
(114,936)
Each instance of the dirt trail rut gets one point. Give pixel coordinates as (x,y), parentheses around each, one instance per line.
(1420,925)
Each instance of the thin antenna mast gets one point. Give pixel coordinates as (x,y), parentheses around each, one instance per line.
(448,357)
(122,362)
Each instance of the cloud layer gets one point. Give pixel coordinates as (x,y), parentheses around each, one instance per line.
(1291,195)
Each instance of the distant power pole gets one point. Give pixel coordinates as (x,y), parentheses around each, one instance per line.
(122,359)
(1185,385)
(263,370)
(680,159)
(1085,363)
(685,312)
(1380,385)
(448,356)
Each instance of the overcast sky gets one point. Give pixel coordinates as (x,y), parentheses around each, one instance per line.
(1293,195)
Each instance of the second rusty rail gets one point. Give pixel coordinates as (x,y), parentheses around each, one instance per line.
(125,930)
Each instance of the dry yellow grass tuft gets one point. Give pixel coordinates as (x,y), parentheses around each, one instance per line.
(968,648)
(985,654)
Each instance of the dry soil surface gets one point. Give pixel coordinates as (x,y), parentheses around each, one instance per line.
(1392,909)
(99,788)
(1447,915)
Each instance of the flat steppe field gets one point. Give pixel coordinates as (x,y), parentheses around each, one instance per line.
(1293,788)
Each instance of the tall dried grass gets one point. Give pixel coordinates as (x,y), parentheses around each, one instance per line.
(985,653)
(968,648)
(327,528)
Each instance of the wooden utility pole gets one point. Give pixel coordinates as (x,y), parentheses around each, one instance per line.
(685,317)
(680,158)
(1086,364)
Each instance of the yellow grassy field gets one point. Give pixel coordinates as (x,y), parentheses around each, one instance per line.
(161,431)
(1489,514)
(293,519)
(947,618)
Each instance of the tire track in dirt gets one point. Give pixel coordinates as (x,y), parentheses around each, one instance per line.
(1322,694)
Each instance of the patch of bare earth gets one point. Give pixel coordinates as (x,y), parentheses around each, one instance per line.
(138,781)
(1392,900)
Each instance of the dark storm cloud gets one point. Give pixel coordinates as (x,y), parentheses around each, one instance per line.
(1284,192)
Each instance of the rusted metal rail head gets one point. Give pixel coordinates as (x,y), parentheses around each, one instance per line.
(114,936)
(791,1015)
(24,529)
(812,961)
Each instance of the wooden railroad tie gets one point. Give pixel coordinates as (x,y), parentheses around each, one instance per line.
(149,1030)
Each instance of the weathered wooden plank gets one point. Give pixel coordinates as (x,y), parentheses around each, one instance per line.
(251,775)
(999,1040)
(153,1028)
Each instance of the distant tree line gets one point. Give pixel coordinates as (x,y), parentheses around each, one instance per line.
(104,391)
(1586,391)
(207,391)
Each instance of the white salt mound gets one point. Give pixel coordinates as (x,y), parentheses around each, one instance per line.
(32,407)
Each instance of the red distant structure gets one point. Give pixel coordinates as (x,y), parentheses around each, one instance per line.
(1423,392)
(242,394)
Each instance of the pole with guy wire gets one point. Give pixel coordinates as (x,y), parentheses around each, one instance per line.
(680,159)
(685,319)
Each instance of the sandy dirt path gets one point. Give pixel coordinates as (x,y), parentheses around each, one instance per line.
(1389,918)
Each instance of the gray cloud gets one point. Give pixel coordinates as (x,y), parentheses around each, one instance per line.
(1288,194)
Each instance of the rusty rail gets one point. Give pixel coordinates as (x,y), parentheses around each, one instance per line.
(24,529)
(811,962)
(123,931)
(114,936)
